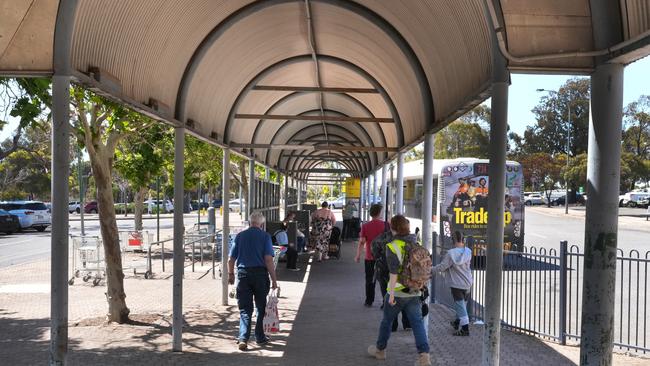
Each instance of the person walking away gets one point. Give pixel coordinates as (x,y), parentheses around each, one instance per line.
(404,293)
(252,252)
(456,265)
(300,236)
(323,220)
(382,274)
(282,239)
(369,231)
(348,219)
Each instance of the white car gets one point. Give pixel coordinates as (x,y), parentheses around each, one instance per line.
(337,203)
(233,205)
(165,205)
(74,206)
(634,198)
(534,199)
(31,214)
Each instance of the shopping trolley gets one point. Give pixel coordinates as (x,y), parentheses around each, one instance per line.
(87,259)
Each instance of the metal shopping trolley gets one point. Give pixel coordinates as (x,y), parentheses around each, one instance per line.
(87,259)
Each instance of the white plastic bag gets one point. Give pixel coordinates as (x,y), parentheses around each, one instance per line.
(271,316)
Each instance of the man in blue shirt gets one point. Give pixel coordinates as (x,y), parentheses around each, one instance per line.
(253,254)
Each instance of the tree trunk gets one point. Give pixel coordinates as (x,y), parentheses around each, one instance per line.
(117,309)
(244,179)
(139,207)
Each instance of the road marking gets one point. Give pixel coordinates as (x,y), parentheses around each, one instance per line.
(14,243)
(26,288)
(537,235)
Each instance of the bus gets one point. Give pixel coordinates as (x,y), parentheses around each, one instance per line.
(460,199)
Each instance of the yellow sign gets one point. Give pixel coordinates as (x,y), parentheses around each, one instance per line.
(352,188)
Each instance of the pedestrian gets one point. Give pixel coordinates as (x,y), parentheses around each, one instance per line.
(253,254)
(456,265)
(300,236)
(282,239)
(323,220)
(348,221)
(369,231)
(401,297)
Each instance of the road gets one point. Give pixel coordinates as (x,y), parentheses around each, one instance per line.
(543,228)
(30,245)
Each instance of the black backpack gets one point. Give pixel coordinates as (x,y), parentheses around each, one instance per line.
(378,250)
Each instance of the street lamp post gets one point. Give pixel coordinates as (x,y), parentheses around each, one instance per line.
(568,149)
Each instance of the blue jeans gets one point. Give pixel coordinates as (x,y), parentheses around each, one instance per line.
(301,244)
(254,285)
(412,306)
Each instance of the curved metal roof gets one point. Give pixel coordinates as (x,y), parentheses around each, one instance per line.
(406,67)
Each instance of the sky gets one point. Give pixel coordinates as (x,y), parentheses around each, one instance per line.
(523,95)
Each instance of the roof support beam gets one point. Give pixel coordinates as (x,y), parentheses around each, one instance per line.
(355,148)
(321,157)
(322,170)
(328,118)
(317,141)
(315,89)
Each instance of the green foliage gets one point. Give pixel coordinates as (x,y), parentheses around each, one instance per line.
(549,134)
(139,158)
(462,139)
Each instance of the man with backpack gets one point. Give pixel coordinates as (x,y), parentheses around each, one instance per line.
(369,231)
(409,265)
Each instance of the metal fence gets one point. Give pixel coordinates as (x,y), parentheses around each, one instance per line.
(542,294)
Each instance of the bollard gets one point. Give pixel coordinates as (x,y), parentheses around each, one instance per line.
(212,223)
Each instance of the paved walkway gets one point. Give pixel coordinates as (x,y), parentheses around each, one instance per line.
(324,323)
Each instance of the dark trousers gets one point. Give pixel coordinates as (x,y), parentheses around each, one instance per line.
(292,256)
(383,285)
(370,281)
(253,286)
(345,233)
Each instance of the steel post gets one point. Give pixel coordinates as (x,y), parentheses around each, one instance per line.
(374,187)
(298,186)
(286,195)
(60,216)
(81,194)
(225,238)
(496,204)
(399,199)
(391,192)
(363,186)
(179,231)
(251,188)
(427,199)
(563,292)
(198,199)
(603,182)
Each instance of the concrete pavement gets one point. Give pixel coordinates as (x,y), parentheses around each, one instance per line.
(324,323)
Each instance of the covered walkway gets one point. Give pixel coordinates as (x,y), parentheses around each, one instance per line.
(292,84)
(325,323)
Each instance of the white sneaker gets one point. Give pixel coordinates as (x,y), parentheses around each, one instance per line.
(423,360)
(376,353)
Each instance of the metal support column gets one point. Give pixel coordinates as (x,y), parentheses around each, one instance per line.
(391,191)
(251,188)
(59,237)
(179,230)
(374,187)
(286,195)
(399,185)
(225,238)
(361,199)
(603,181)
(298,185)
(383,190)
(427,199)
(496,203)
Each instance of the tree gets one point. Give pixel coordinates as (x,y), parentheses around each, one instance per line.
(542,172)
(139,160)
(549,134)
(27,99)
(462,139)
(636,137)
(100,125)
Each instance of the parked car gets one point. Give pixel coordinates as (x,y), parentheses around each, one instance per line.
(217,202)
(74,206)
(8,223)
(337,203)
(91,207)
(634,199)
(233,205)
(31,214)
(534,199)
(165,205)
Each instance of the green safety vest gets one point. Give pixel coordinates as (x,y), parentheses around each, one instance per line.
(398,248)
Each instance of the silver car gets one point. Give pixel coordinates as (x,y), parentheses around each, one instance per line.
(31,214)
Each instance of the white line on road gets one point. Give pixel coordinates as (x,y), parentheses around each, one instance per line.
(15,242)
(537,235)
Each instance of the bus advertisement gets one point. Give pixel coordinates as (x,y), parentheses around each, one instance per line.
(463,197)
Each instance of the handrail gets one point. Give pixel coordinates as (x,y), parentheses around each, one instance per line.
(162,255)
